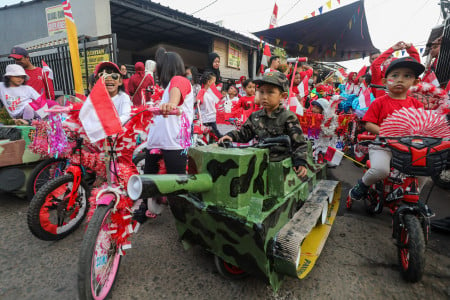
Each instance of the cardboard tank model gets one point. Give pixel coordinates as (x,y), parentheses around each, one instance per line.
(16,160)
(254,215)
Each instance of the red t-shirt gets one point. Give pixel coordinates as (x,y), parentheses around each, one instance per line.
(383,106)
(246,102)
(36,81)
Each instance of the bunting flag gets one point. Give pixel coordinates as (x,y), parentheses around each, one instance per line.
(313,13)
(350,24)
(320,10)
(72,38)
(273,18)
(277,41)
(98,115)
(265,58)
(329,4)
(300,47)
(310,49)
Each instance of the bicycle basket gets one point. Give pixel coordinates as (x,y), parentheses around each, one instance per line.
(419,156)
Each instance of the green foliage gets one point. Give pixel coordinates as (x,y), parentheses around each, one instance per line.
(281,53)
(5,118)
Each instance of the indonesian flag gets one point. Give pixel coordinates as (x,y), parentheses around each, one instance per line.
(341,75)
(431,78)
(39,106)
(303,87)
(273,18)
(98,115)
(46,70)
(334,156)
(364,99)
(295,106)
(265,58)
(47,74)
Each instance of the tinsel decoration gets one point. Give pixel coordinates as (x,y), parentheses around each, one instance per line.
(431,96)
(58,144)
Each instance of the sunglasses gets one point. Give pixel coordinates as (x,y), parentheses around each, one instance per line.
(105,75)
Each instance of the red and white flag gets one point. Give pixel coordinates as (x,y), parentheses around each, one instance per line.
(432,79)
(98,115)
(47,71)
(334,156)
(303,87)
(265,58)
(39,106)
(295,106)
(47,74)
(364,99)
(273,18)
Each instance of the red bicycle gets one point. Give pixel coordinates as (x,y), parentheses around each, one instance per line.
(411,157)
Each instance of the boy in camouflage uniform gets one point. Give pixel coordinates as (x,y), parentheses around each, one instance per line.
(272,121)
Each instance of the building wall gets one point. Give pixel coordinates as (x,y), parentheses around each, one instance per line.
(220,46)
(27,21)
(23,23)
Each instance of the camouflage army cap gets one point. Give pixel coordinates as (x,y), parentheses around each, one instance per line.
(275,78)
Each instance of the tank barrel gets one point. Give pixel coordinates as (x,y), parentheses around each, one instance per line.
(145,186)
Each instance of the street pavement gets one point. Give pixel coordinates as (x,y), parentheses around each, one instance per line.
(359,261)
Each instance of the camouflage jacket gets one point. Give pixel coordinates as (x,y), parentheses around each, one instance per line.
(281,122)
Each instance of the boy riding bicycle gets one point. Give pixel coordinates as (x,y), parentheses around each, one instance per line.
(400,75)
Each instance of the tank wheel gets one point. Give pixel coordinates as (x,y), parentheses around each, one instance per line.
(228,270)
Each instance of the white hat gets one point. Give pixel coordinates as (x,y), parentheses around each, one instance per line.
(15,70)
(323,103)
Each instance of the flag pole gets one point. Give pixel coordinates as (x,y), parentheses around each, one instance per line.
(72,38)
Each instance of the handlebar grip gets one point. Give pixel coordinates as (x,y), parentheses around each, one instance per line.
(282,139)
(157,111)
(58,109)
(366,137)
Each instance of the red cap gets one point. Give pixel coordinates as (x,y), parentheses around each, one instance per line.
(18,53)
(105,64)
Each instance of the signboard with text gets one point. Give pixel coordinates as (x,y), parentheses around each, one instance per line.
(234,55)
(55,20)
(94,57)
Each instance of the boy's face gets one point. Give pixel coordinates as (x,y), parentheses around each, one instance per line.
(400,80)
(316,109)
(232,92)
(270,97)
(250,89)
(297,79)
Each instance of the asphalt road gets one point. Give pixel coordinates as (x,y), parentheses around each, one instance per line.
(359,261)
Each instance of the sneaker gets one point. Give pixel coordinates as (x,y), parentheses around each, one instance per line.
(359,191)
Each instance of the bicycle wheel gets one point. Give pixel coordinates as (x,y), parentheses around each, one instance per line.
(49,218)
(43,172)
(411,249)
(99,256)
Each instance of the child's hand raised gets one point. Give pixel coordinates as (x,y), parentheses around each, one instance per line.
(399,46)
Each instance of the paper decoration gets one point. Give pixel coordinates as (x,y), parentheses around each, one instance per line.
(329,4)
(320,10)
(300,47)
(310,49)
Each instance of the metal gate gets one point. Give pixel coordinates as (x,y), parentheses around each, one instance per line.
(57,57)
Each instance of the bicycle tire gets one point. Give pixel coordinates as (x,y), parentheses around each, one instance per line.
(48,200)
(42,173)
(411,249)
(94,240)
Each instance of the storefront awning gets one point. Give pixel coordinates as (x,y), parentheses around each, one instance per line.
(341,34)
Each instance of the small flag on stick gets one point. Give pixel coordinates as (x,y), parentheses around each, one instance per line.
(334,156)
